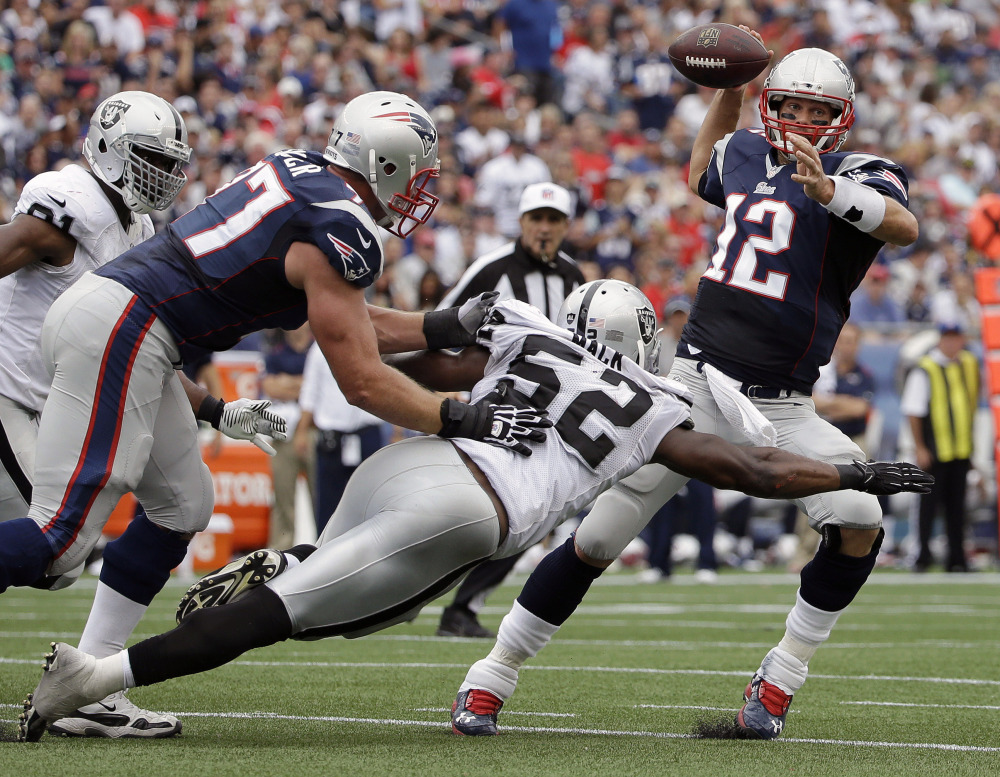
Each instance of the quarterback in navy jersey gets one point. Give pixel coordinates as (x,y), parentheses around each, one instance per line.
(783,270)
(292,239)
(803,223)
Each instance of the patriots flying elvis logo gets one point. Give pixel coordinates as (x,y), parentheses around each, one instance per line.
(419,124)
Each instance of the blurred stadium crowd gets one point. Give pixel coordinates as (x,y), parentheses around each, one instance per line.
(577,92)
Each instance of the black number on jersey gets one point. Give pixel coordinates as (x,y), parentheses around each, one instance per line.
(38,210)
(568,425)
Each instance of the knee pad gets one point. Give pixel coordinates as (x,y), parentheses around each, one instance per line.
(138,564)
(831,580)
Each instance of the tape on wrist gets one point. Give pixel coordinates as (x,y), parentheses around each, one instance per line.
(210,411)
(859,205)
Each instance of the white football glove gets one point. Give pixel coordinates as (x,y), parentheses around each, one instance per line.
(250,419)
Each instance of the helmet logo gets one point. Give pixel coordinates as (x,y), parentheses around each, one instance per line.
(112,113)
(647,324)
(420,124)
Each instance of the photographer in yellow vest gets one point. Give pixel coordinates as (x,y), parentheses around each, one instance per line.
(939,401)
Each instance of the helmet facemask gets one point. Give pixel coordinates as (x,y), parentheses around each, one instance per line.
(151,179)
(808,74)
(137,144)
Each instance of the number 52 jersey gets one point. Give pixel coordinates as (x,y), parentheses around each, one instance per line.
(609,415)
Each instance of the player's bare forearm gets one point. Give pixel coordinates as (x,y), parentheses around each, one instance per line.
(764,472)
(397,331)
(196,394)
(723,117)
(442,370)
(899,227)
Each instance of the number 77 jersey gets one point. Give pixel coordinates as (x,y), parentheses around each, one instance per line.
(609,415)
(218,272)
(777,290)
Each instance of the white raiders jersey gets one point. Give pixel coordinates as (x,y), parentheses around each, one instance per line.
(609,415)
(72,200)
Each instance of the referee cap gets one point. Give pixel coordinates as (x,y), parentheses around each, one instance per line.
(545,195)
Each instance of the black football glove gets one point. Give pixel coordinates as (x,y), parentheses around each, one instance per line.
(884,477)
(456,327)
(502,425)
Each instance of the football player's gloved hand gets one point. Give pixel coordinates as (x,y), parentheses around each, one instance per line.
(250,419)
(503,425)
(454,327)
(884,477)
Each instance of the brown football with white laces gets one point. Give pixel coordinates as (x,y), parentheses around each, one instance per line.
(718,56)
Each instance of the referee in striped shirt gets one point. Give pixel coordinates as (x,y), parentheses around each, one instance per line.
(531,269)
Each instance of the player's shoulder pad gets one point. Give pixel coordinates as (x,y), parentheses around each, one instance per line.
(875,171)
(69,199)
(346,233)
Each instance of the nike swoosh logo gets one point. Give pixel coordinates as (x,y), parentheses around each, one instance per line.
(365,243)
(108,707)
(60,203)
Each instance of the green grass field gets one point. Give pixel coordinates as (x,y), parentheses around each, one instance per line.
(908,684)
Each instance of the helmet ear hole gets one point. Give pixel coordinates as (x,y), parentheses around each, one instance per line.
(390,168)
(102,146)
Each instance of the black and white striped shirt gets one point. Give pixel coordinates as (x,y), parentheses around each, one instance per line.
(511,271)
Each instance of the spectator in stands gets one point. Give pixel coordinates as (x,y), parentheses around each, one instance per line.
(872,304)
(502,179)
(535,34)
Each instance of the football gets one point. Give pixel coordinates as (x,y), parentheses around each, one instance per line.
(718,56)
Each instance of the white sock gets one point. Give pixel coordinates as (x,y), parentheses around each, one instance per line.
(110,675)
(806,628)
(520,636)
(113,618)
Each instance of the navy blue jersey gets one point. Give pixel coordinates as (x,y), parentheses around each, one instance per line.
(217,273)
(777,290)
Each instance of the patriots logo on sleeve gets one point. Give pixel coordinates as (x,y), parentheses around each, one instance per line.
(355,267)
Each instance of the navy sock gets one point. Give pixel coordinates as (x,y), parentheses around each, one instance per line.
(137,565)
(25,553)
(301,552)
(557,585)
(831,580)
(212,637)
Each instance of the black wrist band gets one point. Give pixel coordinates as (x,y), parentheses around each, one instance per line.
(440,328)
(850,476)
(210,410)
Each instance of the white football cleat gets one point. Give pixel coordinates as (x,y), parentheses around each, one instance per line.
(116,717)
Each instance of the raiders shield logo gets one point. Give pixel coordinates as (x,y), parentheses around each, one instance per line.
(647,324)
(112,113)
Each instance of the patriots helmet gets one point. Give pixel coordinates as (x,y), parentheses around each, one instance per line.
(392,142)
(813,74)
(137,143)
(617,315)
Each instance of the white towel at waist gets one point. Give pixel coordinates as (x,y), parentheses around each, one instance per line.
(738,409)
